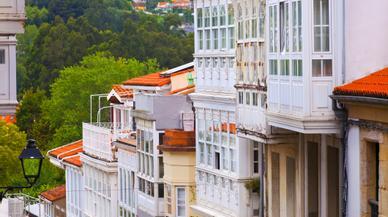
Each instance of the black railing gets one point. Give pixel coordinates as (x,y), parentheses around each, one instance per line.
(374,206)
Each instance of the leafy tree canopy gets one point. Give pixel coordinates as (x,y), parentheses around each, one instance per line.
(68,106)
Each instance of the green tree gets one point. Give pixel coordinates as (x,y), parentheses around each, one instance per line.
(12,142)
(29,111)
(68,106)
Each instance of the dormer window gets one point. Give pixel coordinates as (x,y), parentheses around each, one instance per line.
(2,56)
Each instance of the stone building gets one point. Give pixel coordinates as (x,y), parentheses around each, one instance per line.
(365,115)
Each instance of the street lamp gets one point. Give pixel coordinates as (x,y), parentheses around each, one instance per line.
(31,160)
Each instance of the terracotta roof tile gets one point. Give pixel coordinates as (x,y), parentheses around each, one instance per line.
(153,79)
(373,85)
(75,160)
(123,92)
(55,194)
(69,153)
(8,118)
(67,150)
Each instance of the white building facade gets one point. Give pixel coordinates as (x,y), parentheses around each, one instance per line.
(220,158)
(251,89)
(11,23)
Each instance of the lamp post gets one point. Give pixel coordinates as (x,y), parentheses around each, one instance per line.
(31,160)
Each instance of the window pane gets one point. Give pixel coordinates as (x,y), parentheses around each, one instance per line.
(215,39)
(325,39)
(327,67)
(325,12)
(273,67)
(317,12)
(231,37)
(316,70)
(222,15)
(200,36)
(207,35)
(285,67)
(230,14)
(199,17)
(248,98)
(214,16)
(313,176)
(317,38)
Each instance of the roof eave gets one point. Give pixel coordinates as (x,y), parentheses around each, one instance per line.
(361,99)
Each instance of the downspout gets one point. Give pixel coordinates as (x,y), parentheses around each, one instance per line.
(342,114)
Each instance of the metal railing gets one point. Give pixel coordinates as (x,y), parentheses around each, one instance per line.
(374,206)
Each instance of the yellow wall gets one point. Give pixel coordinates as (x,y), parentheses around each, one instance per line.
(179,171)
(367,137)
(180,81)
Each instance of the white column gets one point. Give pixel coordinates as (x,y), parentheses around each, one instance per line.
(353,169)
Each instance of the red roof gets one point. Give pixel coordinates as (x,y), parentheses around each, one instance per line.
(123,92)
(69,153)
(8,118)
(75,160)
(55,193)
(373,85)
(153,79)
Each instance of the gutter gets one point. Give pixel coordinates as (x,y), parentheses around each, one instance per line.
(342,114)
(363,99)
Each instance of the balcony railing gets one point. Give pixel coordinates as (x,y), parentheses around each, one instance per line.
(98,138)
(374,205)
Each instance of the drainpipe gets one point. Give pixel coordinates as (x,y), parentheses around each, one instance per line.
(342,114)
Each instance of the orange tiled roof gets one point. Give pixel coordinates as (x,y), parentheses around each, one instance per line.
(55,193)
(373,85)
(8,118)
(153,79)
(69,153)
(75,160)
(123,92)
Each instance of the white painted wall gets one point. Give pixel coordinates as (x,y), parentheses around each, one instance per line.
(353,169)
(366,33)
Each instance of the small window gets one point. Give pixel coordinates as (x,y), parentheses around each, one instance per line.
(240,97)
(161,190)
(2,56)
